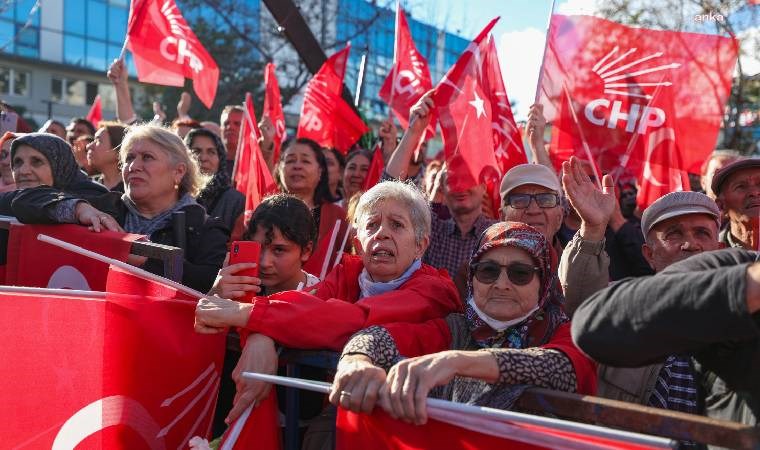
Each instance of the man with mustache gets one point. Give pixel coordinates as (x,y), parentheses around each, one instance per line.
(737,187)
(675,227)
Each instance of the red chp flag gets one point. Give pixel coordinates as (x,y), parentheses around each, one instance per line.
(166,50)
(612,74)
(104,371)
(95,115)
(273,108)
(663,171)
(325,116)
(252,176)
(465,112)
(409,78)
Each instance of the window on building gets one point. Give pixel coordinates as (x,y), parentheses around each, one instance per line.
(72,92)
(14,82)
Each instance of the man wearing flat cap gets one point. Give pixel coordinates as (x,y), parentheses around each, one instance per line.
(737,187)
(675,227)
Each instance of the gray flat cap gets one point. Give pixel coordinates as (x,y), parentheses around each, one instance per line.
(677,204)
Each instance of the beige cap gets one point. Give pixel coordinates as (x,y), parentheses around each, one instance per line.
(677,204)
(523,174)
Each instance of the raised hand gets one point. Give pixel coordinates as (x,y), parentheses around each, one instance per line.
(595,207)
(422,111)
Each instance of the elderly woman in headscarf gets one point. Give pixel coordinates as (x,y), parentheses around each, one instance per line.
(160,179)
(218,197)
(513,334)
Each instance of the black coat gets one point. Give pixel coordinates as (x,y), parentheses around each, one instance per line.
(695,307)
(206,237)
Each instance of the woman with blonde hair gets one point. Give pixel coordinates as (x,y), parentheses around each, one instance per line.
(160,179)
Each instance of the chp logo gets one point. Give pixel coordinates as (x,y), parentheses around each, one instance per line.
(408,83)
(615,73)
(177,48)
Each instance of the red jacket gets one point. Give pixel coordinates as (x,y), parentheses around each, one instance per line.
(326,316)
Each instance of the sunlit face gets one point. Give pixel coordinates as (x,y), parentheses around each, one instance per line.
(280,261)
(677,238)
(31,168)
(74,130)
(740,195)
(545,220)
(204,150)
(355,174)
(100,152)
(463,202)
(715,163)
(149,174)
(231,131)
(333,170)
(300,171)
(502,299)
(5,162)
(386,237)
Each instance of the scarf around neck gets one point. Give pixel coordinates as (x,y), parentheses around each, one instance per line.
(369,288)
(138,224)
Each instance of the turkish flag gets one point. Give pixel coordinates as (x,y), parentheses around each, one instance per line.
(35,263)
(375,171)
(257,427)
(107,370)
(463,102)
(409,78)
(507,141)
(251,174)
(325,116)
(166,50)
(273,109)
(663,171)
(459,431)
(619,80)
(95,115)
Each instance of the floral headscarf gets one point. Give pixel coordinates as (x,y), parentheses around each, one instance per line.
(538,328)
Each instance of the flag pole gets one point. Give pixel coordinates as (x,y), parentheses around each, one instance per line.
(395,61)
(443,409)
(360,80)
(330,246)
(543,57)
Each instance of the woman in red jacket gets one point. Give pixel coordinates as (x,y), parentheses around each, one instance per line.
(514,334)
(387,283)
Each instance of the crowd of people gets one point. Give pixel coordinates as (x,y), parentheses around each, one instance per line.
(436,294)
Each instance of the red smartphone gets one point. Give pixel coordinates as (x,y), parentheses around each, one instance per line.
(245,252)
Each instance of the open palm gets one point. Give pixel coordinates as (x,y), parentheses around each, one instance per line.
(594,206)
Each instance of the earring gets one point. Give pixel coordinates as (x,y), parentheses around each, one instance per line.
(176,186)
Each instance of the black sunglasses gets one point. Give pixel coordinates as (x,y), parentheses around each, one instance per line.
(519,274)
(543,200)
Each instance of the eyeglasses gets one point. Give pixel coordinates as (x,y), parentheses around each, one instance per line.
(519,274)
(543,200)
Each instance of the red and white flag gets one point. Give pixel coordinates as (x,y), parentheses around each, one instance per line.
(251,174)
(325,116)
(463,102)
(33,263)
(273,109)
(618,80)
(109,370)
(409,78)
(95,115)
(507,141)
(166,51)
(375,171)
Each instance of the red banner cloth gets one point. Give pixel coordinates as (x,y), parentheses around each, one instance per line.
(35,263)
(166,51)
(252,176)
(380,431)
(325,116)
(375,171)
(412,76)
(618,80)
(95,115)
(273,109)
(123,371)
(260,429)
(463,102)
